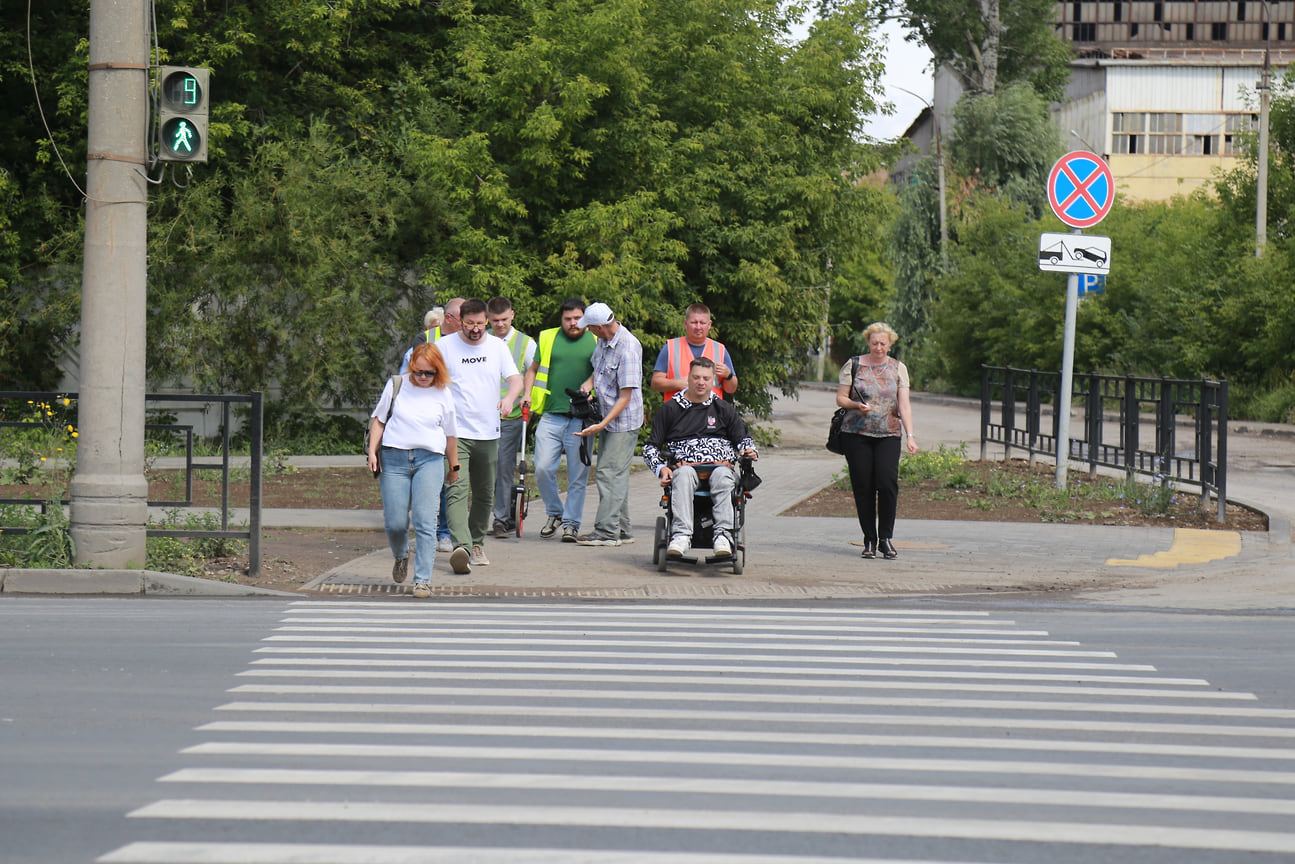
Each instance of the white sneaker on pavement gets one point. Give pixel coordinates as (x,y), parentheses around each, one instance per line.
(443,544)
(679,545)
(479,556)
(722,546)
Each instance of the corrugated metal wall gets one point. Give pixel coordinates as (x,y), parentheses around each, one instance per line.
(1180,88)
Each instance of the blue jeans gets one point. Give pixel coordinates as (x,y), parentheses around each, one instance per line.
(411,483)
(555,435)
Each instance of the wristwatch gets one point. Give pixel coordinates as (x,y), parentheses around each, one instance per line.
(454,467)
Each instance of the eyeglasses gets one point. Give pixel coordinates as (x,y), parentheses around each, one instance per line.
(423,373)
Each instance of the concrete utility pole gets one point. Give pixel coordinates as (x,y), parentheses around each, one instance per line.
(109,491)
(1265,91)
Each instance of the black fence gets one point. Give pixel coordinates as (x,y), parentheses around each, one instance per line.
(160,403)
(1169,429)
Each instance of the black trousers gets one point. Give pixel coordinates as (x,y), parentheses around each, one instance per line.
(874,480)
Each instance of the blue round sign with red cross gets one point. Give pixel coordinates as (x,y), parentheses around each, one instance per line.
(1080,189)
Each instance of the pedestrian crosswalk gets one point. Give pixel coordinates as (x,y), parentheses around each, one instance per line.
(383,732)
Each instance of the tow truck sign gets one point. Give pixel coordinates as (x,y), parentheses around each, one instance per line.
(1074,253)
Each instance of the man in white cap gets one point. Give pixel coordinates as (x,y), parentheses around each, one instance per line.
(618,383)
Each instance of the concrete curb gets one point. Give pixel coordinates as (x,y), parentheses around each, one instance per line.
(123,582)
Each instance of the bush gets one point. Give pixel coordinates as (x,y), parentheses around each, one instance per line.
(47,543)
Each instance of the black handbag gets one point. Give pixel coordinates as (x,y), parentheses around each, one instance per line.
(838,417)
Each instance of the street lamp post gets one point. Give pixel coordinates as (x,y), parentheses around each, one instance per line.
(939,179)
(1261,193)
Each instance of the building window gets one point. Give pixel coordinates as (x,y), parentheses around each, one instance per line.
(1119,11)
(1234,125)
(1083,33)
(1201,134)
(1281,32)
(1158,13)
(1133,31)
(1165,133)
(1219,31)
(1191,32)
(1241,11)
(1127,134)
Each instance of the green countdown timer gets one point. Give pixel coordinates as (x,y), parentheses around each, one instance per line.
(181,91)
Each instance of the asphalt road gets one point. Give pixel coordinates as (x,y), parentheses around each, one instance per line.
(327,731)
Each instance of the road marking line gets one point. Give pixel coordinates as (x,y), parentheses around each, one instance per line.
(342,812)
(766,787)
(319,853)
(724,736)
(694,715)
(692,664)
(736,681)
(607,756)
(690,654)
(1190,546)
(766,698)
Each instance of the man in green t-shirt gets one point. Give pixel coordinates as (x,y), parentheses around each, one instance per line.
(564,360)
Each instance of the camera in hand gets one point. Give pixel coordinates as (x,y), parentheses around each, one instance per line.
(584,407)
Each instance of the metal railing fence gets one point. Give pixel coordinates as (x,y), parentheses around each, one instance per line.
(255,429)
(1166,428)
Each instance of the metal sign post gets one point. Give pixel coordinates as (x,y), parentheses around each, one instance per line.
(1080,191)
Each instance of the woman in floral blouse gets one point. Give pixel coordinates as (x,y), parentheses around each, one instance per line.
(879,413)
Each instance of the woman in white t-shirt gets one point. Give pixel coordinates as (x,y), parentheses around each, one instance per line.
(416,448)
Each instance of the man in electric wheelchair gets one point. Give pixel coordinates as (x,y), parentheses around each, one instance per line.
(694,434)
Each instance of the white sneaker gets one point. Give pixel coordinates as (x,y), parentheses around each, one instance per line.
(443,544)
(422,590)
(679,545)
(722,546)
(479,556)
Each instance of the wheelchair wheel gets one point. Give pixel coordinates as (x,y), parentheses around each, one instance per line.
(660,539)
(739,545)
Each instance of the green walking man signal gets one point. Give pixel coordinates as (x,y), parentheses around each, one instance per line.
(182,113)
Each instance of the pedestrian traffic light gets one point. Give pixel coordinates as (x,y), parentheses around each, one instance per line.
(182,113)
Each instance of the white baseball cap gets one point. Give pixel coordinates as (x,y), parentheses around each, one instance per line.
(597,313)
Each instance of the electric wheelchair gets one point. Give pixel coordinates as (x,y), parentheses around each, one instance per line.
(703,530)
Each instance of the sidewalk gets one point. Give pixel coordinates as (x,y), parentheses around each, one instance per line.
(818,559)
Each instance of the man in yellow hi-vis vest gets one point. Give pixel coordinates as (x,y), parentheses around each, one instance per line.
(500,314)
(670,373)
(565,359)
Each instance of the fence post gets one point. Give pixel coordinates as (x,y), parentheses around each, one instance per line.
(257,438)
(984,411)
(1093,421)
(1165,431)
(1009,411)
(1221,462)
(1129,426)
(1032,409)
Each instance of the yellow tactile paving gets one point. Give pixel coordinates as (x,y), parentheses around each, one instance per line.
(1190,546)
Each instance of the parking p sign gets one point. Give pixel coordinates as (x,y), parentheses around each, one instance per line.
(1080,189)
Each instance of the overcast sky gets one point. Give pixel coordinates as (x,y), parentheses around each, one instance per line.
(908,66)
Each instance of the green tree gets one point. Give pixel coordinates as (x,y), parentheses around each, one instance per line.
(992,43)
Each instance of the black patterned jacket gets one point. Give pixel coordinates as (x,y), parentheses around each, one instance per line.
(709,431)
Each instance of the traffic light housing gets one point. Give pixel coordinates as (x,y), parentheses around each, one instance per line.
(182,113)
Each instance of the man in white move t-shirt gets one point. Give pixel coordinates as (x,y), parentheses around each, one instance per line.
(478,362)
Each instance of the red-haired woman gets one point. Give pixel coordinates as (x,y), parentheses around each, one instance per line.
(416,448)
